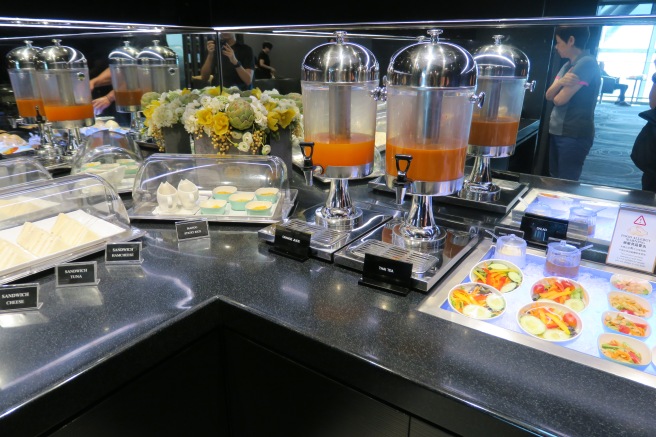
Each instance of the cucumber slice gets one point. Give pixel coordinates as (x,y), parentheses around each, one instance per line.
(515,277)
(555,334)
(477,312)
(532,324)
(510,286)
(497,303)
(575,304)
(498,267)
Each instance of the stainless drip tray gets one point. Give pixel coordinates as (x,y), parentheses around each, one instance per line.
(421,262)
(325,240)
(510,192)
(427,267)
(319,235)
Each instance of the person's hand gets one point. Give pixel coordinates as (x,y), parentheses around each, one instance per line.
(229,53)
(100,104)
(211,46)
(569,79)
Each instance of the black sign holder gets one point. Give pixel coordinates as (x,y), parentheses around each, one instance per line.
(19,297)
(291,243)
(386,274)
(539,229)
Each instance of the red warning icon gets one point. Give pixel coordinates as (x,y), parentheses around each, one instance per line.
(640,221)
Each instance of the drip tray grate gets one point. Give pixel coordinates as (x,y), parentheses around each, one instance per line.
(319,234)
(421,262)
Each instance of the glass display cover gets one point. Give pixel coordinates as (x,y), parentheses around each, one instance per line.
(21,170)
(45,223)
(234,188)
(115,164)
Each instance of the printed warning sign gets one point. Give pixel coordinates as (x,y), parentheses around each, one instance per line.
(634,237)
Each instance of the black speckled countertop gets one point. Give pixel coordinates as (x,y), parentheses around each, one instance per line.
(419,361)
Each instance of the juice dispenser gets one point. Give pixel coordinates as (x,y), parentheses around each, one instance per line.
(21,63)
(123,64)
(502,76)
(338,81)
(430,99)
(158,69)
(63,78)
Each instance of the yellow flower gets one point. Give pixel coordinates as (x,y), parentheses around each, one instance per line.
(286,117)
(220,124)
(148,112)
(185,91)
(204,117)
(272,120)
(213,91)
(270,105)
(257,93)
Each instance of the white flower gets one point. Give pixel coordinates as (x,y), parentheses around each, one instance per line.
(243,147)
(266,149)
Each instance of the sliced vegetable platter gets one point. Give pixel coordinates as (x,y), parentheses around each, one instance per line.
(591,289)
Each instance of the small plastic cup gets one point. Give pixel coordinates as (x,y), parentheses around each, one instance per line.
(511,248)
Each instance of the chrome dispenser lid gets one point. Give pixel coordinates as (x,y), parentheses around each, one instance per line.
(60,57)
(23,57)
(340,62)
(125,55)
(501,60)
(157,55)
(432,64)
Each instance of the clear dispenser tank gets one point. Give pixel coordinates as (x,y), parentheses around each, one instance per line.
(339,113)
(430,88)
(123,64)
(21,65)
(430,95)
(338,81)
(158,69)
(63,78)
(502,75)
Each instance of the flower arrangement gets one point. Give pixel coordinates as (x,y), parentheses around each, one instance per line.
(245,121)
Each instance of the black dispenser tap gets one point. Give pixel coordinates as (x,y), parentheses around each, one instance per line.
(307,149)
(402,182)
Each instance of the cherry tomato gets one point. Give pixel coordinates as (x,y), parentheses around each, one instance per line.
(570,319)
(539,288)
(623,329)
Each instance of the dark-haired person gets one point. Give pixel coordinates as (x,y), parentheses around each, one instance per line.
(574,94)
(237,63)
(263,68)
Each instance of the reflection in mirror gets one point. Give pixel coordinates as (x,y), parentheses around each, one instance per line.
(625,46)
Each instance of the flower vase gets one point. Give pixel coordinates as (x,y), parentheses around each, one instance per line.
(281,146)
(203,145)
(176,139)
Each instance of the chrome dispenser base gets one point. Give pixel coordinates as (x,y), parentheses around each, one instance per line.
(480,192)
(338,212)
(339,219)
(424,240)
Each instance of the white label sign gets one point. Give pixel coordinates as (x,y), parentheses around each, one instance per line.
(633,244)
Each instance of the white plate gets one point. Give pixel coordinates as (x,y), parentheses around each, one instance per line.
(636,345)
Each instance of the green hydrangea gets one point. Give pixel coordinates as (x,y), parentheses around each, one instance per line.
(240,114)
(148,97)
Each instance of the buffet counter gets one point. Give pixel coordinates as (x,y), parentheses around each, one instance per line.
(254,313)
